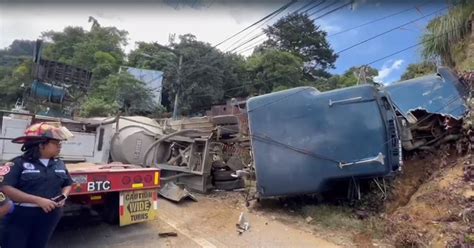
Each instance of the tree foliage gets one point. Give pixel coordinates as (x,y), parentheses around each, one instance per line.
(295,54)
(445,31)
(274,70)
(120,92)
(298,34)
(206,77)
(351,77)
(417,70)
(12,83)
(99,50)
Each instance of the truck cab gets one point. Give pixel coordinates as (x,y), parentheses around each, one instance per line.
(303,139)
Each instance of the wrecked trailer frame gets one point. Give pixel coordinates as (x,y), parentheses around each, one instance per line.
(429,108)
(303,139)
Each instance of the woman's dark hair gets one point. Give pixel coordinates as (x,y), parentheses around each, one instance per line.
(31,150)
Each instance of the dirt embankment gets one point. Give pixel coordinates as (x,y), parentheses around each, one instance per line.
(432,204)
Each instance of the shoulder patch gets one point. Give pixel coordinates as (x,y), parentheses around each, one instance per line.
(29,166)
(4,170)
(9,164)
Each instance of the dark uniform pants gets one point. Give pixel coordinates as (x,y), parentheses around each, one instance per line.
(29,227)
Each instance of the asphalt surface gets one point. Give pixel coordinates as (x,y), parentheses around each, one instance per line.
(210,222)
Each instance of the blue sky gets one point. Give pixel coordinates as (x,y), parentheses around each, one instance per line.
(391,68)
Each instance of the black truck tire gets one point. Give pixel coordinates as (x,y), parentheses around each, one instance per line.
(223,175)
(230,185)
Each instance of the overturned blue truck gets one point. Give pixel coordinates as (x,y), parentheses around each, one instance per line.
(303,140)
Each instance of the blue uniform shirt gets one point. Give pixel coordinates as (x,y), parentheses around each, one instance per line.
(33,177)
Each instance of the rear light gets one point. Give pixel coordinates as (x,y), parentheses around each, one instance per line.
(148,179)
(126,180)
(137,179)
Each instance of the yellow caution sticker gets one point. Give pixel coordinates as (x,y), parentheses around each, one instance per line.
(137,206)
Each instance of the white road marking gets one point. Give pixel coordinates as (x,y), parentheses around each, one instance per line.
(204,243)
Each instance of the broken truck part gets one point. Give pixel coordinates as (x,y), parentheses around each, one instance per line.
(197,154)
(303,139)
(429,108)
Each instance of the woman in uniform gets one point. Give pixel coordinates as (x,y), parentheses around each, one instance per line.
(38,183)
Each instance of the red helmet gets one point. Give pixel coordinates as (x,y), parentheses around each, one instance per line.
(44,131)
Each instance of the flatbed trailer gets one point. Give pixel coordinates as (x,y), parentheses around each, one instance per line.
(122,193)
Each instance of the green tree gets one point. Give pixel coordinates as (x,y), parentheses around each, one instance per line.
(351,77)
(417,70)
(444,32)
(12,85)
(16,53)
(207,76)
(274,70)
(152,56)
(99,50)
(120,92)
(298,34)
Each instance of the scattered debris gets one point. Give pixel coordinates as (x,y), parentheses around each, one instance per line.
(309,219)
(176,193)
(168,234)
(243,224)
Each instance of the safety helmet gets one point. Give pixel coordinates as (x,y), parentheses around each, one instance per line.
(44,131)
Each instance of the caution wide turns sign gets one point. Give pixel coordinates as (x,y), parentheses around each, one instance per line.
(138,206)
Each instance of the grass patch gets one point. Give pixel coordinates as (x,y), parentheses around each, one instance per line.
(334,217)
(343,218)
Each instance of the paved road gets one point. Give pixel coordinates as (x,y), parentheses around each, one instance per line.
(208,223)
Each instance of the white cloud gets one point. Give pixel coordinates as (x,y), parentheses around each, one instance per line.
(145,22)
(387,69)
(356,4)
(329,28)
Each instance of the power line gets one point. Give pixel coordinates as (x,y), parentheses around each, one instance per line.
(325,14)
(323,1)
(412,46)
(325,7)
(377,20)
(262,33)
(334,10)
(257,22)
(251,46)
(388,31)
(256,28)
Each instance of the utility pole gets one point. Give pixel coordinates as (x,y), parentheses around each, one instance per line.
(175,106)
(364,76)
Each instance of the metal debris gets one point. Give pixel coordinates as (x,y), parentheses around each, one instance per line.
(243,224)
(167,234)
(176,193)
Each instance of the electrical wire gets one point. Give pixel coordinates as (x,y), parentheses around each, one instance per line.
(257,22)
(378,19)
(388,31)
